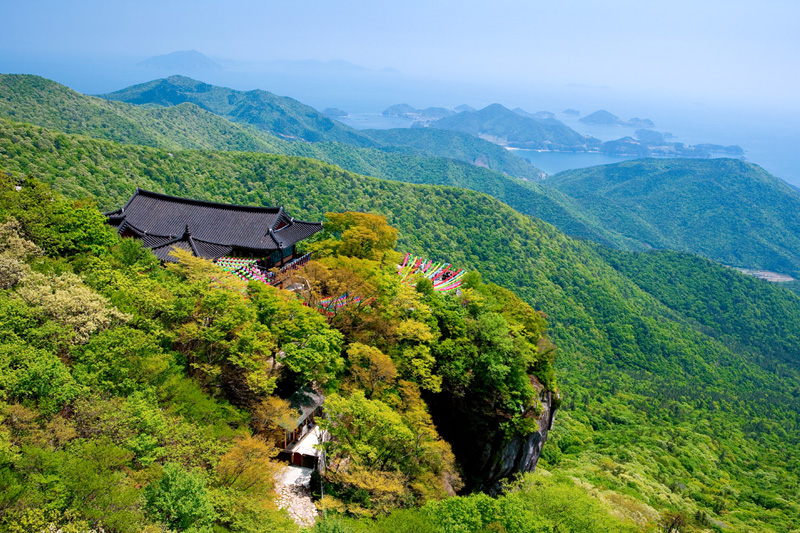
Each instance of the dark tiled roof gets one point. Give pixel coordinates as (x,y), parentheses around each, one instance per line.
(163,251)
(208,229)
(305,400)
(154,241)
(296,231)
(211,250)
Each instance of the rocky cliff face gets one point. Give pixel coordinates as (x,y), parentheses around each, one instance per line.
(484,453)
(501,459)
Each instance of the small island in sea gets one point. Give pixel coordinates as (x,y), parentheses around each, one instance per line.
(421,117)
(605,118)
(335,112)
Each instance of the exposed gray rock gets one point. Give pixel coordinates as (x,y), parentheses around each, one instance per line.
(487,457)
(504,458)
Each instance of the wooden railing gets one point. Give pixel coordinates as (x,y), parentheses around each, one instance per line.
(297,263)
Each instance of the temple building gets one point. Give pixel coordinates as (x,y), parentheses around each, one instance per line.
(211,230)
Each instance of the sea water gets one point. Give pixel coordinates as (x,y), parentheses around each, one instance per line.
(770,138)
(555,162)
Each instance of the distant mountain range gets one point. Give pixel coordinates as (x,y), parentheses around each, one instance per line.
(541,131)
(194,62)
(281,116)
(187,61)
(405,155)
(421,117)
(513,128)
(457,145)
(335,112)
(539,115)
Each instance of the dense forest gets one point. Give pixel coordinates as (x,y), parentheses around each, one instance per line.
(727,210)
(673,403)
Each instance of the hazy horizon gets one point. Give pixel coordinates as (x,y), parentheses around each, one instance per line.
(733,51)
(719,69)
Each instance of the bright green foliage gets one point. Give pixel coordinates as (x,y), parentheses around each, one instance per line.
(31,374)
(724,209)
(91,408)
(225,344)
(380,458)
(87,475)
(366,431)
(535,504)
(372,370)
(181,500)
(243,340)
(361,235)
(659,406)
(490,346)
(68,303)
(310,349)
(94,480)
(740,309)
(120,360)
(499,334)
(55,225)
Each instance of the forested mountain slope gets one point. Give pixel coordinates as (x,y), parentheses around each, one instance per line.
(458,145)
(499,124)
(661,408)
(283,116)
(727,210)
(278,115)
(49,104)
(740,310)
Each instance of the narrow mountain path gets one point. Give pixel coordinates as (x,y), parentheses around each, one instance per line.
(294,494)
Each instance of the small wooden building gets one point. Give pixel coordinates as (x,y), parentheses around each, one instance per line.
(308,403)
(211,230)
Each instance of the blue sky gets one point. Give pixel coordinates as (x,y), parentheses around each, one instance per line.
(733,50)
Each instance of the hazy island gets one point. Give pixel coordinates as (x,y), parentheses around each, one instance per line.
(605,118)
(335,112)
